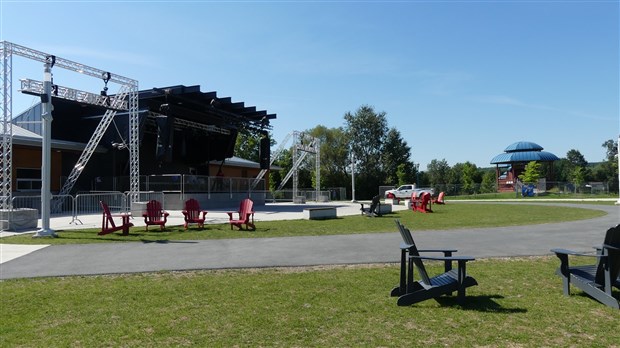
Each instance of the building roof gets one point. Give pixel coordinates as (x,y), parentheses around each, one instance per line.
(25,137)
(524,151)
(523,146)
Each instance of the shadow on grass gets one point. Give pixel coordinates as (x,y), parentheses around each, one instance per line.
(481,303)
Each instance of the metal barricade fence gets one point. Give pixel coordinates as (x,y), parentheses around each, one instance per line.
(145,196)
(88,203)
(59,204)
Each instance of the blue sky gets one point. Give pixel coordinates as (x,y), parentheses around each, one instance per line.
(461,80)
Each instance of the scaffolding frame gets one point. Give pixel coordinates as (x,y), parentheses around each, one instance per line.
(125,99)
(303,144)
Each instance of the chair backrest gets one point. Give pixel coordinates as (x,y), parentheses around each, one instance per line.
(413,251)
(612,238)
(153,209)
(192,205)
(376,199)
(245,207)
(192,209)
(414,195)
(440,197)
(106,213)
(425,198)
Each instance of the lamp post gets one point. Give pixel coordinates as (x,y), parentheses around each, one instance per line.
(618,157)
(46,151)
(353,178)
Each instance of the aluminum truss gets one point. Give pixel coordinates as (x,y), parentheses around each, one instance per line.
(6,155)
(303,144)
(126,99)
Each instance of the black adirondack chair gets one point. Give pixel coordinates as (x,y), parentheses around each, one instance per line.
(374,206)
(410,291)
(596,280)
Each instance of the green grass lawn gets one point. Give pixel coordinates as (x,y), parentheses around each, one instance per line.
(449,216)
(518,303)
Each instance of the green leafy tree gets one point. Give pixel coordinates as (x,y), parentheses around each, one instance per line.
(531,174)
(397,166)
(438,172)
(488,182)
(578,177)
(366,130)
(469,174)
(334,157)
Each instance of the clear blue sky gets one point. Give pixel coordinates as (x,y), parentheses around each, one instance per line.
(461,80)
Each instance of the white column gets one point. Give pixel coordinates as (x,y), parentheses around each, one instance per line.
(46,154)
(353,179)
(618,158)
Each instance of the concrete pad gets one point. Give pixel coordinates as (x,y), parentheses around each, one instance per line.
(9,252)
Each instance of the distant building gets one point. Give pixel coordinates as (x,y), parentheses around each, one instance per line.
(510,164)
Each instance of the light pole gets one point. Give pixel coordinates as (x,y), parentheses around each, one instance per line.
(353,178)
(618,157)
(46,150)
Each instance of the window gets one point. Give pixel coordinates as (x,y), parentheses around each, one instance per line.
(28,179)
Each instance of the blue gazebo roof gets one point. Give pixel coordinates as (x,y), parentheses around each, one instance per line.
(524,151)
(523,146)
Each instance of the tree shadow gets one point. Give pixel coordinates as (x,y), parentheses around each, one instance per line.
(480,303)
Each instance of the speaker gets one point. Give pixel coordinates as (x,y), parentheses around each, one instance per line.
(264,152)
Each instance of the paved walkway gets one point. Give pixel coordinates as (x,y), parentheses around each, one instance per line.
(106,258)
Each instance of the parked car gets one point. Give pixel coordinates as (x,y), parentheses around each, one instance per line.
(405,191)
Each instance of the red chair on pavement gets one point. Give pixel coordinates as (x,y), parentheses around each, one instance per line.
(155,215)
(246,215)
(107,222)
(193,214)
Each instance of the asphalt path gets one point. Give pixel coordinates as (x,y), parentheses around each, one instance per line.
(115,258)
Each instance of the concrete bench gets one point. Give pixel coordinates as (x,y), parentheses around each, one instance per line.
(320,213)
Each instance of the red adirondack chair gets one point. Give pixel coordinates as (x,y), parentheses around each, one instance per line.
(107,221)
(155,215)
(423,205)
(246,215)
(193,214)
(439,199)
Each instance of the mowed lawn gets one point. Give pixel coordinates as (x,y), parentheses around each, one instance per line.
(449,216)
(518,302)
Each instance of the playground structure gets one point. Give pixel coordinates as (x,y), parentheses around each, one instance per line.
(303,144)
(125,99)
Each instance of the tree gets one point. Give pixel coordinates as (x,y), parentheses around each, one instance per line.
(531,173)
(468,177)
(609,168)
(398,168)
(578,177)
(334,156)
(488,182)
(366,130)
(438,172)
(576,158)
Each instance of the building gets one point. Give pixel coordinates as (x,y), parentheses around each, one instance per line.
(510,164)
(183,132)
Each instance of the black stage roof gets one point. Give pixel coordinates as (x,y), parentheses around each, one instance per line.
(189,103)
(202,121)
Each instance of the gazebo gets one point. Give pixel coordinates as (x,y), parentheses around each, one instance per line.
(510,164)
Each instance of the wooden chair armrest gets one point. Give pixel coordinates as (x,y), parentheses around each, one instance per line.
(445,258)
(574,253)
(437,250)
(607,246)
(165,213)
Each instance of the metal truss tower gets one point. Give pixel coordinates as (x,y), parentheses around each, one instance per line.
(125,99)
(303,144)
